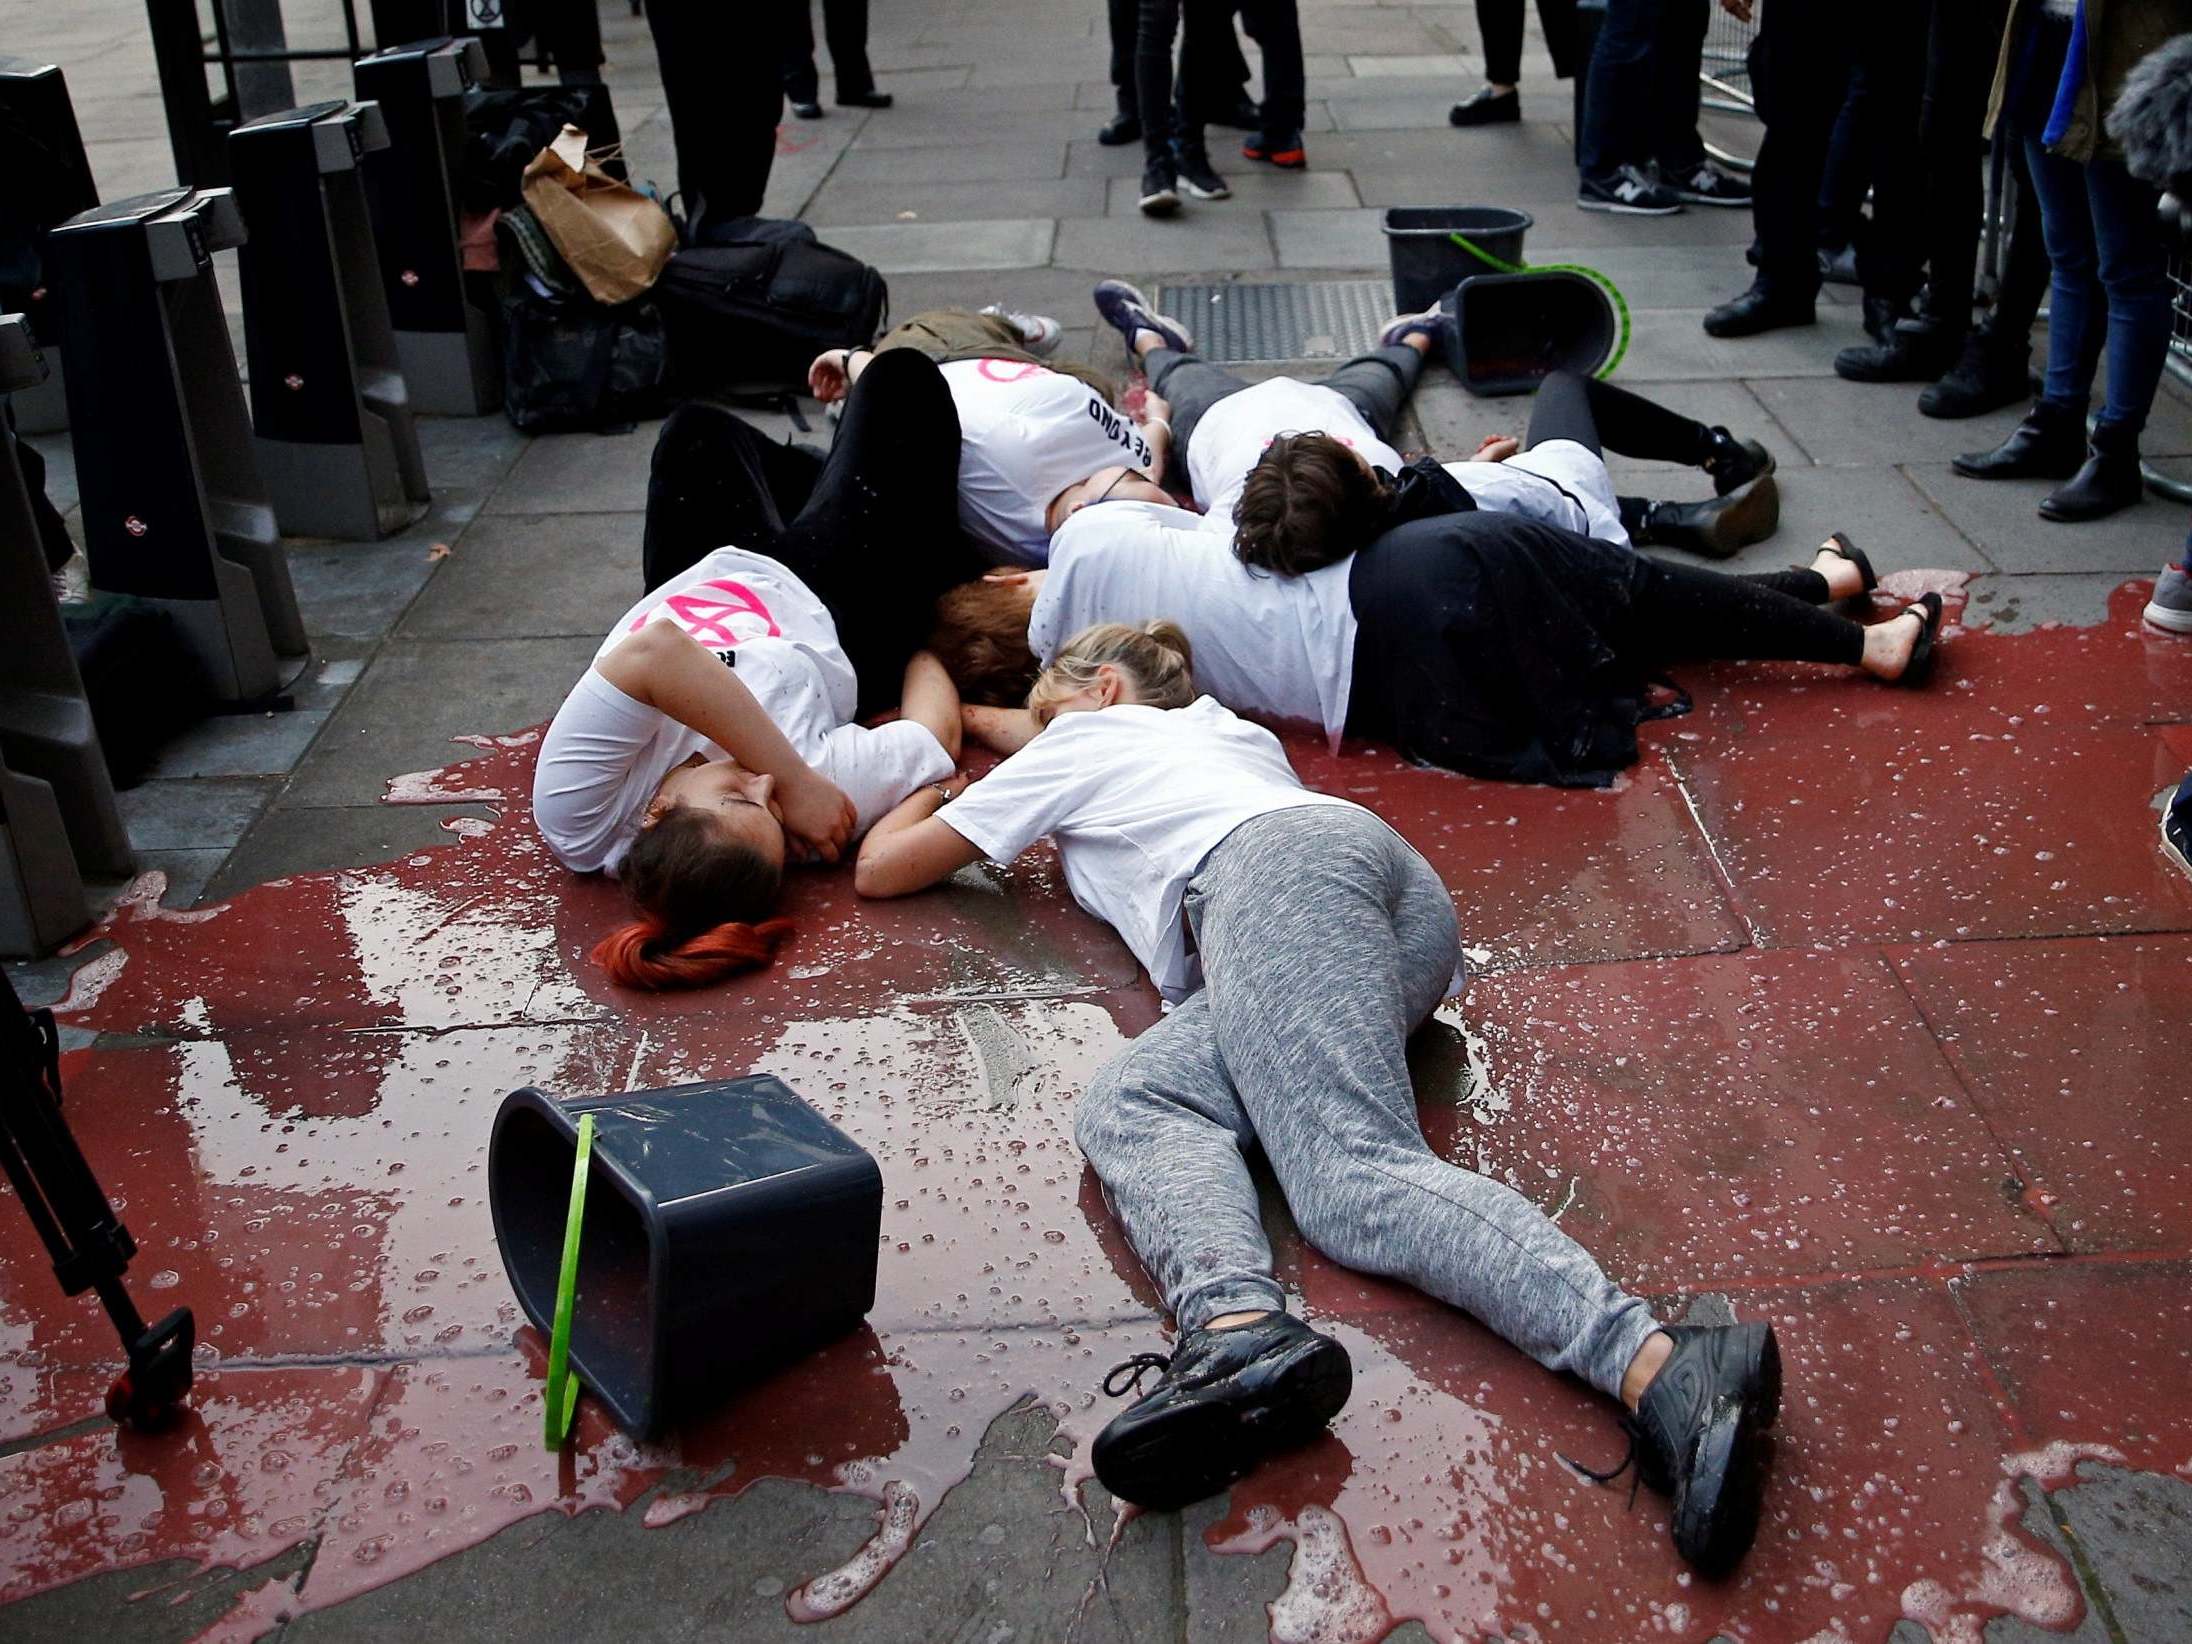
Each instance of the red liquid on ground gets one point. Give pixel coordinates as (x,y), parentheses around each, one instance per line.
(1746,1023)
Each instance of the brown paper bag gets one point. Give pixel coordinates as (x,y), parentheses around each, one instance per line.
(614,237)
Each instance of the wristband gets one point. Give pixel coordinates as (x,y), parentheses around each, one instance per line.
(1157,422)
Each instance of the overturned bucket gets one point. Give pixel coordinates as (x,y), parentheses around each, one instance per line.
(1512,331)
(728,1229)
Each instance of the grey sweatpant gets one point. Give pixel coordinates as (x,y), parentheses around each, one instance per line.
(1325,941)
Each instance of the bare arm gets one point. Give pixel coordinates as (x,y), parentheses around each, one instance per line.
(665,668)
(910,850)
(1001,730)
(929,699)
(1157,430)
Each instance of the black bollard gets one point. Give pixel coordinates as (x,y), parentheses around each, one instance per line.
(52,184)
(336,441)
(174,508)
(445,340)
(58,819)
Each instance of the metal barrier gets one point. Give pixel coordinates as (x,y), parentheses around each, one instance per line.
(57,813)
(53,186)
(1725,72)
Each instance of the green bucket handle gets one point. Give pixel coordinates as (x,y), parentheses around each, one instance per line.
(1621,305)
(561,1400)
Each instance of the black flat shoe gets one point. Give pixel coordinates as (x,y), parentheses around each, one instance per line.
(1856,556)
(1920,667)
(1718,529)
(1988,376)
(1699,1436)
(1759,309)
(1486,107)
(871,98)
(809,111)
(1120,130)
(1224,1401)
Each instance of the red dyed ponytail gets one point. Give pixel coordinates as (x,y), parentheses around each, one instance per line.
(643,954)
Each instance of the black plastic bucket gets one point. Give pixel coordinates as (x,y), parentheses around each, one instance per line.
(729,1228)
(1512,331)
(1426,262)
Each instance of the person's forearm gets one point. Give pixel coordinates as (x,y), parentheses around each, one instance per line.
(672,673)
(910,849)
(856,361)
(1001,730)
(929,699)
(1159,435)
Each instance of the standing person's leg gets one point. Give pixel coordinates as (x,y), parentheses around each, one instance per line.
(1617,114)
(2133,266)
(2171,610)
(1205,93)
(1804,54)
(879,538)
(845,26)
(1378,384)
(1276,26)
(722,79)
(2050,442)
(1122,18)
(1995,367)
(1498,102)
(802,80)
(1157,22)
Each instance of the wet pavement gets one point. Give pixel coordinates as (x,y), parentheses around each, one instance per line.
(1862,1010)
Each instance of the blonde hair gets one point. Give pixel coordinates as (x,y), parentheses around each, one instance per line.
(1155,656)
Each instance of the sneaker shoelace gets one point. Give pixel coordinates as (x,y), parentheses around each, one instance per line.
(1133,1370)
(1628,1460)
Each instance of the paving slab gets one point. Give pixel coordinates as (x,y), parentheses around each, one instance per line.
(192,814)
(268,744)
(418,695)
(1219,235)
(2002,517)
(526,574)
(1330,239)
(290,839)
(1254,187)
(580,474)
(972,162)
(933,247)
(1869,424)
(958,201)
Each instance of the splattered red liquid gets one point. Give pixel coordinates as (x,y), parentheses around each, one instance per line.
(1760,1021)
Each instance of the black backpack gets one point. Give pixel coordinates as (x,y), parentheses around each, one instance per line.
(754,303)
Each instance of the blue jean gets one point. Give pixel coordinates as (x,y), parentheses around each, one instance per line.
(2110,290)
(1640,97)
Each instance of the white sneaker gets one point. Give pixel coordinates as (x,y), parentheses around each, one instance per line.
(2171,607)
(1039,332)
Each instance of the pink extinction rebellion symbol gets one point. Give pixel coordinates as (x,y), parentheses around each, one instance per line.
(409,276)
(729,615)
(293,382)
(1007,370)
(135,526)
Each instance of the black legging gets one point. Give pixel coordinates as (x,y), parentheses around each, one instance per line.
(1200,53)
(873,529)
(1571,406)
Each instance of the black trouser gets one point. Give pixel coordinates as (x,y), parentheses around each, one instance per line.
(1226,76)
(1377,384)
(1202,51)
(845,26)
(1571,406)
(2026,271)
(1960,54)
(721,75)
(1807,51)
(873,528)
(1640,99)
(1275,26)
(1499,24)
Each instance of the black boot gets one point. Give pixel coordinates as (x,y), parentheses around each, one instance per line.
(1917,350)
(1733,462)
(1224,1400)
(1990,374)
(1881,316)
(1763,307)
(2048,444)
(2108,481)
(1717,529)
(1698,1435)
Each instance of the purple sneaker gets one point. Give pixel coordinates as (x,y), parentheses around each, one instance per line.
(1127,311)
(1434,322)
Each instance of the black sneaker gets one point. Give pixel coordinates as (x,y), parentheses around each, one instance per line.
(1733,462)
(1283,149)
(1197,178)
(1224,1401)
(1160,189)
(1124,308)
(1698,1436)
(809,111)
(1628,191)
(1706,184)
(2177,828)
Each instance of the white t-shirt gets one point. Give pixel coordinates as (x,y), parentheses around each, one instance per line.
(1230,437)
(1559,483)
(1025,434)
(1136,798)
(1281,647)
(605,754)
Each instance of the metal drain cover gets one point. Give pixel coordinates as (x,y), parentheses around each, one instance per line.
(1237,324)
